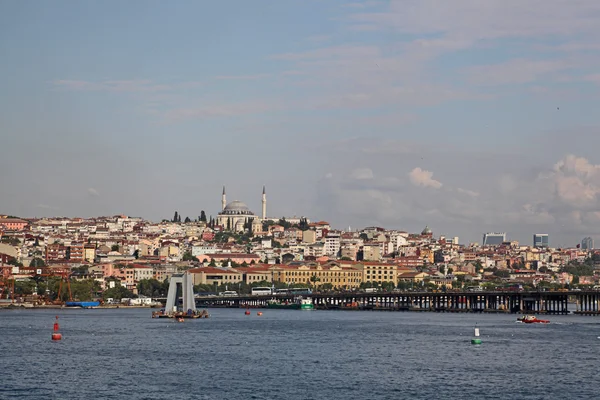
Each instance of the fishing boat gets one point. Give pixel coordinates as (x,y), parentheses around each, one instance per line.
(532,319)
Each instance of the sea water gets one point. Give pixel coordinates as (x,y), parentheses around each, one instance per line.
(292,354)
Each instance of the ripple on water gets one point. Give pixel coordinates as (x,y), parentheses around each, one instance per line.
(116,354)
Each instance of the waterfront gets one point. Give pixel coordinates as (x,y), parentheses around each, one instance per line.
(113,354)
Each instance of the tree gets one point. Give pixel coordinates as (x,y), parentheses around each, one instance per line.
(175,217)
(153,287)
(187,220)
(118,292)
(314,279)
(364,236)
(37,262)
(284,223)
(114,247)
(202,216)
(179,218)
(187,256)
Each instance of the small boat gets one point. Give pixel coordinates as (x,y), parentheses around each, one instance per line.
(532,319)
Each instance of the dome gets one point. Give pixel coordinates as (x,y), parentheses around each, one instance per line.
(237,207)
(426,231)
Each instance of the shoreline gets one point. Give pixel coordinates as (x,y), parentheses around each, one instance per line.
(29,306)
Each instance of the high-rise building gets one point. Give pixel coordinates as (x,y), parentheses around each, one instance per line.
(494,239)
(587,243)
(540,240)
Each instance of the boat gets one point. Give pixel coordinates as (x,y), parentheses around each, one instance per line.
(299,303)
(82,304)
(532,319)
(180,315)
(306,304)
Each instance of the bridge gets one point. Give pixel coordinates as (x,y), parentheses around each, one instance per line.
(534,302)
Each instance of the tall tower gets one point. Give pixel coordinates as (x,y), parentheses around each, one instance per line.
(223,201)
(264,204)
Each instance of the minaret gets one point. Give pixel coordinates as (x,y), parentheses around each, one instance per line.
(223,201)
(264,204)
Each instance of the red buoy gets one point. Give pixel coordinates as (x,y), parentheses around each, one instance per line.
(259,313)
(56,335)
(247,312)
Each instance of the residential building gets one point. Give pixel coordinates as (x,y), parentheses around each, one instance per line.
(494,239)
(540,240)
(587,243)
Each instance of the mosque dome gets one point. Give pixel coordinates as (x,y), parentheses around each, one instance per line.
(426,231)
(237,207)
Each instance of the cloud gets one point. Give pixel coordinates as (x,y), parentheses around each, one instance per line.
(93,192)
(518,71)
(468,192)
(242,77)
(484,20)
(419,177)
(46,207)
(216,111)
(362,173)
(112,85)
(563,199)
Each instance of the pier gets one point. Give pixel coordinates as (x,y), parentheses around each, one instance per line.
(457,302)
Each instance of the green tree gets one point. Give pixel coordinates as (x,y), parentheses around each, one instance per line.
(202,216)
(37,263)
(175,217)
(284,223)
(13,261)
(24,288)
(118,292)
(187,220)
(114,247)
(187,256)
(153,287)
(314,279)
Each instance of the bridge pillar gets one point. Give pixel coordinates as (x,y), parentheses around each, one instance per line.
(187,293)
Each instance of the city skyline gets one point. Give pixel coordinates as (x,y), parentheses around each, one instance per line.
(470,119)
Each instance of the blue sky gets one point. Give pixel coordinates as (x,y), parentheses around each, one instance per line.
(465,116)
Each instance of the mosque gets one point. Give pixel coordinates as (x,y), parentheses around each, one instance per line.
(236,215)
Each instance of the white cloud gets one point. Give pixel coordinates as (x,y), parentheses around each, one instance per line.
(468,192)
(563,200)
(362,173)
(420,177)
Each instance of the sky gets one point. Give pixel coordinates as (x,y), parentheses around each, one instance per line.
(467,116)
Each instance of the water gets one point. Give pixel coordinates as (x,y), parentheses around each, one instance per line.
(290,354)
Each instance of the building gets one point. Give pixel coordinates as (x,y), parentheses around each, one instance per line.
(215,276)
(587,243)
(540,240)
(371,252)
(13,224)
(332,244)
(494,239)
(236,216)
(332,274)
